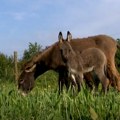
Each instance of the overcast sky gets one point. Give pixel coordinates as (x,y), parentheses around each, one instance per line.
(24,21)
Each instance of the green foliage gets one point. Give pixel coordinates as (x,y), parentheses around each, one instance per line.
(33,48)
(46,104)
(6,67)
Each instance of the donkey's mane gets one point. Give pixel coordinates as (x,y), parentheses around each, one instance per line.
(46,51)
(37,57)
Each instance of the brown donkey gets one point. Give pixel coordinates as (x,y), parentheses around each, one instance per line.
(91,59)
(51,59)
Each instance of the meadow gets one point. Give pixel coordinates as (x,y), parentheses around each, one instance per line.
(44,102)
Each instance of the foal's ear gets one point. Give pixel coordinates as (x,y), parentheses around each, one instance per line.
(69,36)
(60,37)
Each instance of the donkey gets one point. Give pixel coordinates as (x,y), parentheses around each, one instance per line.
(91,59)
(51,59)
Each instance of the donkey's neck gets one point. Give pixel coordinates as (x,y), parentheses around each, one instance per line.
(46,55)
(44,62)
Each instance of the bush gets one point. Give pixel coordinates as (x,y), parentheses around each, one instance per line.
(117,57)
(6,67)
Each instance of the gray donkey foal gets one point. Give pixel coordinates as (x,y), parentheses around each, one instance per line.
(91,59)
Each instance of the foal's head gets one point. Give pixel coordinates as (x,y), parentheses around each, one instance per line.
(66,49)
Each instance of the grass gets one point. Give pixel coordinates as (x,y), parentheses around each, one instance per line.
(44,103)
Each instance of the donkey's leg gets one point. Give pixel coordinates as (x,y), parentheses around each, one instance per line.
(96,81)
(105,82)
(113,74)
(89,80)
(61,80)
(72,80)
(79,80)
(60,83)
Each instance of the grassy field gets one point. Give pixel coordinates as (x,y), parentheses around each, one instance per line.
(44,103)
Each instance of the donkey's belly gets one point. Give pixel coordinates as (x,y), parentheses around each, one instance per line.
(88,69)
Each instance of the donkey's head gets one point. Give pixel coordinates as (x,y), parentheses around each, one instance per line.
(26,78)
(65,47)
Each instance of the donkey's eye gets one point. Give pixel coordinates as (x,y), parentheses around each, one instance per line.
(28,68)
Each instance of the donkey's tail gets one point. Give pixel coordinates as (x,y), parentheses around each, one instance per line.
(109,75)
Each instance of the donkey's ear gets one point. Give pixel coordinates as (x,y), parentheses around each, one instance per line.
(60,37)
(69,36)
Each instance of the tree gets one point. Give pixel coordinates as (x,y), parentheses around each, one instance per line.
(33,48)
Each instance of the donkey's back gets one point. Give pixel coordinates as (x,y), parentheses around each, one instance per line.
(93,58)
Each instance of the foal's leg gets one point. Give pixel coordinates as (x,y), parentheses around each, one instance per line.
(96,81)
(79,80)
(101,75)
(89,80)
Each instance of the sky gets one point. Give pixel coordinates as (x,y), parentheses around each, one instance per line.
(24,21)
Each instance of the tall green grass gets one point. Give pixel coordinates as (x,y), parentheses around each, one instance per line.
(44,103)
